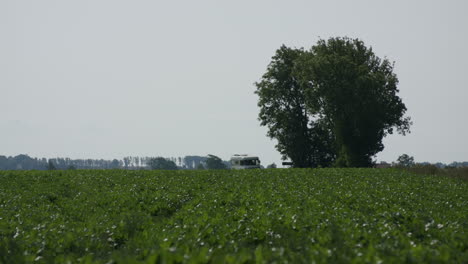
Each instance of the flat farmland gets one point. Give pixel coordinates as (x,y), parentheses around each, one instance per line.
(228,216)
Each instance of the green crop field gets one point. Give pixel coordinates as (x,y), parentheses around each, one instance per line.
(254,216)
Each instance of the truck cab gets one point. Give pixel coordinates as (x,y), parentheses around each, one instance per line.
(244,161)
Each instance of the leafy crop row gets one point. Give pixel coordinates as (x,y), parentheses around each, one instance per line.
(293,215)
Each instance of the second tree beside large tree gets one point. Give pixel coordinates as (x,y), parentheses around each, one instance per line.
(331,105)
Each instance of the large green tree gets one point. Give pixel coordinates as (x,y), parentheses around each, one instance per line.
(282,102)
(331,104)
(356,94)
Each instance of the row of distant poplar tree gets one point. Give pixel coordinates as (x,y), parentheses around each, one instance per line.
(24,162)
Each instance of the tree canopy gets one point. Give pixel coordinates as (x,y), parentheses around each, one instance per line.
(160,163)
(214,163)
(330,105)
(405,160)
(283,110)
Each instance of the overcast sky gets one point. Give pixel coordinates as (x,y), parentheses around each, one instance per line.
(108,79)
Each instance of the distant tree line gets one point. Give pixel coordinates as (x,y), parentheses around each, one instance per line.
(441,165)
(407,161)
(24,162)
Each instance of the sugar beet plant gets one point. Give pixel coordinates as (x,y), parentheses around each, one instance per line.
(254,216)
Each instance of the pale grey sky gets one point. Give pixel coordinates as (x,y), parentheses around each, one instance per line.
(108,79)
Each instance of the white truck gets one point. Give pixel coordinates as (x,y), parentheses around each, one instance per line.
(244,161)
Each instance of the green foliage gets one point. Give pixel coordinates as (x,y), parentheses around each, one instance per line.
(357,92)
(282,102)
(232,216)
(331,104)
(160,163)
(214,163)
(405,161)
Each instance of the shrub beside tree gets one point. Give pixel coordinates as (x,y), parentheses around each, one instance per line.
(161,163)
(213,162)
(272,166)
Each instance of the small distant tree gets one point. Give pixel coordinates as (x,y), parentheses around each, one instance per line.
(71,167)
(3,163)
(51,166)
(161,163)
(405,160)
(115,164)
(272,166)
(214,163)
(126,162)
